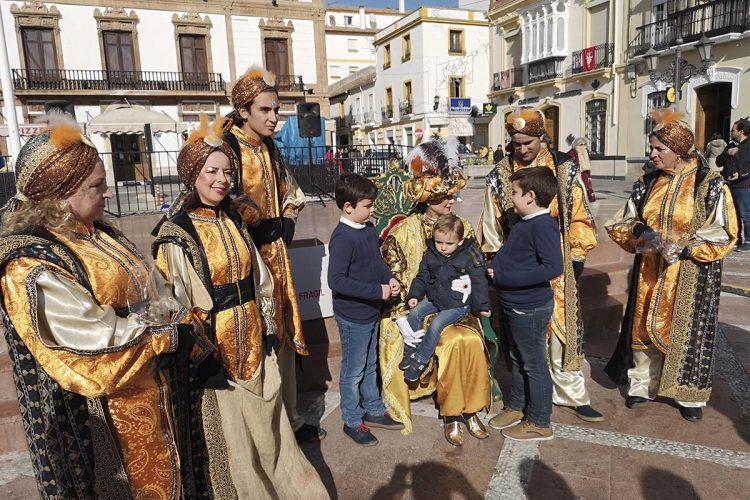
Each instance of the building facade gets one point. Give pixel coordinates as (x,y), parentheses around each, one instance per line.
(352,108)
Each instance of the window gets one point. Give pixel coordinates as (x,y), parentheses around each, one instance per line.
(406,47)
(596,118)
(353,69)
(407,92)
(352,42)
(277,56)
(656,100)
(348,20)
(39,53)
(388,108)
(386,56)
(456,40)
(193,57)
(118,54)
(342,111)
(456,86)
(335,72)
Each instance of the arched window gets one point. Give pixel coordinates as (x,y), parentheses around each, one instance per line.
(596,119)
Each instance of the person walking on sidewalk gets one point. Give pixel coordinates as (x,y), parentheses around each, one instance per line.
(736,162)
(680,223)
(522,270)
(360,281)
(571,210)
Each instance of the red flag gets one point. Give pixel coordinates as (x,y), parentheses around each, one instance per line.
(589,58)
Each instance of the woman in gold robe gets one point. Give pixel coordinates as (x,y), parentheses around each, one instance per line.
(680,221)
(96,413)
(459,371)
(217,273)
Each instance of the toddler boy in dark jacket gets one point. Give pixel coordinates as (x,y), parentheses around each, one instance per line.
(449,257)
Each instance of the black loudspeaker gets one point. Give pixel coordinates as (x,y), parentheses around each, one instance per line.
(308,116)
(63,106)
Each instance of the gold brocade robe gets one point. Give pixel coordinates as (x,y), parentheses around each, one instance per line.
(669,210)
(462,379)
(238,330)
(273,192)
(577,241)
(87,349)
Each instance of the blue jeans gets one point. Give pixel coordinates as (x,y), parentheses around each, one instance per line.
(742,204)
(530,375)
(359,365)
(443,319)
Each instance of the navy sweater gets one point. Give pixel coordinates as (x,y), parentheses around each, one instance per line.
(356,271)
(528,260)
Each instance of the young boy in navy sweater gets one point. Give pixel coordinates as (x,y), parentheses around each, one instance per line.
(522,270)
(360,280)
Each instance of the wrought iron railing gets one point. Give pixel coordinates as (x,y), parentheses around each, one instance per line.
(386,112)
(405,108)
(507,79)
(368,116)
(713,18)
(290,83)
(546,69)
(78,79)
(591,58)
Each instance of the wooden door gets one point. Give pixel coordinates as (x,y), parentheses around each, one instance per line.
(194,58)
(128,160)
(551,123)
(277,56)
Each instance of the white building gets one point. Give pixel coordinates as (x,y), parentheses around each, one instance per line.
(431,72)
(349,35)
(352,107)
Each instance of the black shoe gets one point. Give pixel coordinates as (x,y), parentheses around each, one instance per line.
(691,414)
(406,360)
(385,421)
(415,369)
(745,247)
(632,401)
(584,412)
(361,435)
(309,434)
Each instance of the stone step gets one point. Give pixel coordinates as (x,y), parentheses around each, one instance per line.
(12,434)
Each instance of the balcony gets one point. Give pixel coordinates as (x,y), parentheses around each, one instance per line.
(73,79)
(368,116)
(290,83)
(386,112)
(591,58)
(713,18)
(507,79)
(404,108)
(546,69)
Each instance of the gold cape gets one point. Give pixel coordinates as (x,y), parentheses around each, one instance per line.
(269,191)
(462,378)
(82,344)
(578,238)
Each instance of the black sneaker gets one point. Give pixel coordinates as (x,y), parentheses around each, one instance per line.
(309,434)
(584,412)
(385,421)
(406,360)
(361,435)
(745,247)
(415,369)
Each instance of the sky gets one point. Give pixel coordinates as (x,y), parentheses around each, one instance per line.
(410,4)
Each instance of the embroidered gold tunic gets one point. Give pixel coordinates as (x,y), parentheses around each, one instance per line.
(273,192)
(577,240)
(79,340)
(461,379)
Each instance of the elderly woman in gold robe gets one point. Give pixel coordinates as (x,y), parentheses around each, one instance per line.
(95,411)
(680,221)
(459,371)
(217,273)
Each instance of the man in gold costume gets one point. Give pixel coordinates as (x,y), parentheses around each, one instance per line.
(94,399)
(270,201)
(680,221)
(578,235)
(459,371)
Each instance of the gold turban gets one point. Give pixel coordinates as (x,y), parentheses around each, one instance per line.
(527,121)
(251,85)
(53,164)
(672,132)
(436,171)
(200,145)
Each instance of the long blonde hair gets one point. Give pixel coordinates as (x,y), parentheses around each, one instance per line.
(53,214)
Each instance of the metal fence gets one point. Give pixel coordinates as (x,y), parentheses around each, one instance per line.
(148,182)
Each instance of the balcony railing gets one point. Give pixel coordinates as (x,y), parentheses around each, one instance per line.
(368,116)
(404,108)
(507,79)
(546,69)
(386,112)
(290,83)
(74,79)
(713,18)
(591,58)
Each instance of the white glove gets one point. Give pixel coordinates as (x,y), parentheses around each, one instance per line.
(462,285)
(411,338)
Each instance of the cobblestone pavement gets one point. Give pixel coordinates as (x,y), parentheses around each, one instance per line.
(649,452)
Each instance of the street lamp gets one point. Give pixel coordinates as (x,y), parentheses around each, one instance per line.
(704,46)
(435,102)
(652,59)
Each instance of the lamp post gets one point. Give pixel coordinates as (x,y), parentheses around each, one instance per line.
(435,102)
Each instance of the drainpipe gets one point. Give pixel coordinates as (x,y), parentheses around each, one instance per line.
(9,98)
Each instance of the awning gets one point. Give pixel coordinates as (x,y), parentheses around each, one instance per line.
(129,119)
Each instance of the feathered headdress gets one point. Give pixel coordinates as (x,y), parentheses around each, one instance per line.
(672,131)
(254,82)
(200,144)
(436,170)
(210,135)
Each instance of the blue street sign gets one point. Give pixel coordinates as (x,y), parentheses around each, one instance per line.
(460,105)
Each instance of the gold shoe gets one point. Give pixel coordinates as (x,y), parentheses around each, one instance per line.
(476,427)
(454,433)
